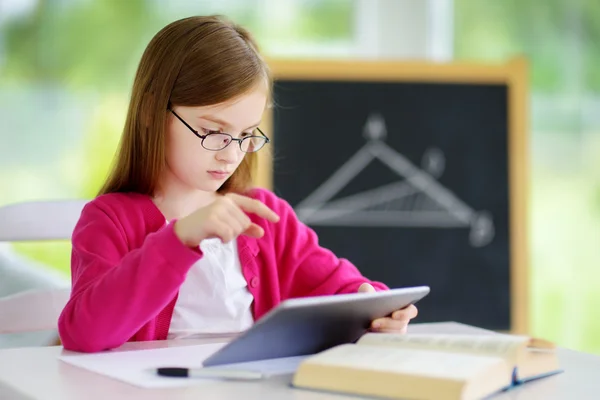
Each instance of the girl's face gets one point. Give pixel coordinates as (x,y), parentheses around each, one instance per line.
(193,165)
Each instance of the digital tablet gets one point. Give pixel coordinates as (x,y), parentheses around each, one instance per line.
(308,325)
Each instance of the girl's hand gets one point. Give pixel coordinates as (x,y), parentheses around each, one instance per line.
(224,219)
(397,322)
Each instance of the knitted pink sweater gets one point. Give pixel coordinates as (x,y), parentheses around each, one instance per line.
(127,267)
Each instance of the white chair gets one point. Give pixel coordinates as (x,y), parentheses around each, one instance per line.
(31,299)
(32,310)
(39,220)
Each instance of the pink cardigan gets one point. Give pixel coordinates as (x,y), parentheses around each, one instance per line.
(127,267)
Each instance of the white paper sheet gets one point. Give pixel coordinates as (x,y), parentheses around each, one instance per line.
(137,367)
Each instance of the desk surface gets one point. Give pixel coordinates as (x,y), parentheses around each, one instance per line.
(36,373)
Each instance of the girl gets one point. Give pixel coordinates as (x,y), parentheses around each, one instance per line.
(177,242)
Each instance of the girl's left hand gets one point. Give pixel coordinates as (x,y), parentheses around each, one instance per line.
(397,322)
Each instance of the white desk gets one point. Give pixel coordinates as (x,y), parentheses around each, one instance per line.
(36,373)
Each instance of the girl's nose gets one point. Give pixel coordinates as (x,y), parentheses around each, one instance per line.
(230,154)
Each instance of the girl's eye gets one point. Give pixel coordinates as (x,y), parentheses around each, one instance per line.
(210,131)
(246,134)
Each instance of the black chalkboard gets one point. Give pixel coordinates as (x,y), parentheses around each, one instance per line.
(410,181)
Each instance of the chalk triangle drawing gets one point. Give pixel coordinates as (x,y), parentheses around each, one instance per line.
(416,200)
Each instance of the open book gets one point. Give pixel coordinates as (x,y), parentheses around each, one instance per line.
(428,366)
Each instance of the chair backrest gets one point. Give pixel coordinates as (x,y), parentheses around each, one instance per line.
(39,220)
(36,309)
(32,310)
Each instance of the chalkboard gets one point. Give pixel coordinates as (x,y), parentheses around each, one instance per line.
(415,173)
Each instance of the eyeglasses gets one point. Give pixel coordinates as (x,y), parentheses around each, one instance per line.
(219,140)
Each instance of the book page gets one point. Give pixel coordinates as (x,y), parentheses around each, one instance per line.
(461,367)
(505,346)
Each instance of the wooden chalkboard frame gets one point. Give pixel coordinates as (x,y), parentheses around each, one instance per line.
(512,73)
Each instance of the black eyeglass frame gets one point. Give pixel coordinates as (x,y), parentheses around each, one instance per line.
(203,137)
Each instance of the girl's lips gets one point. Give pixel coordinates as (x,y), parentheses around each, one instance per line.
(218,174)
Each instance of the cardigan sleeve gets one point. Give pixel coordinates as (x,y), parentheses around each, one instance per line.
(115,290)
